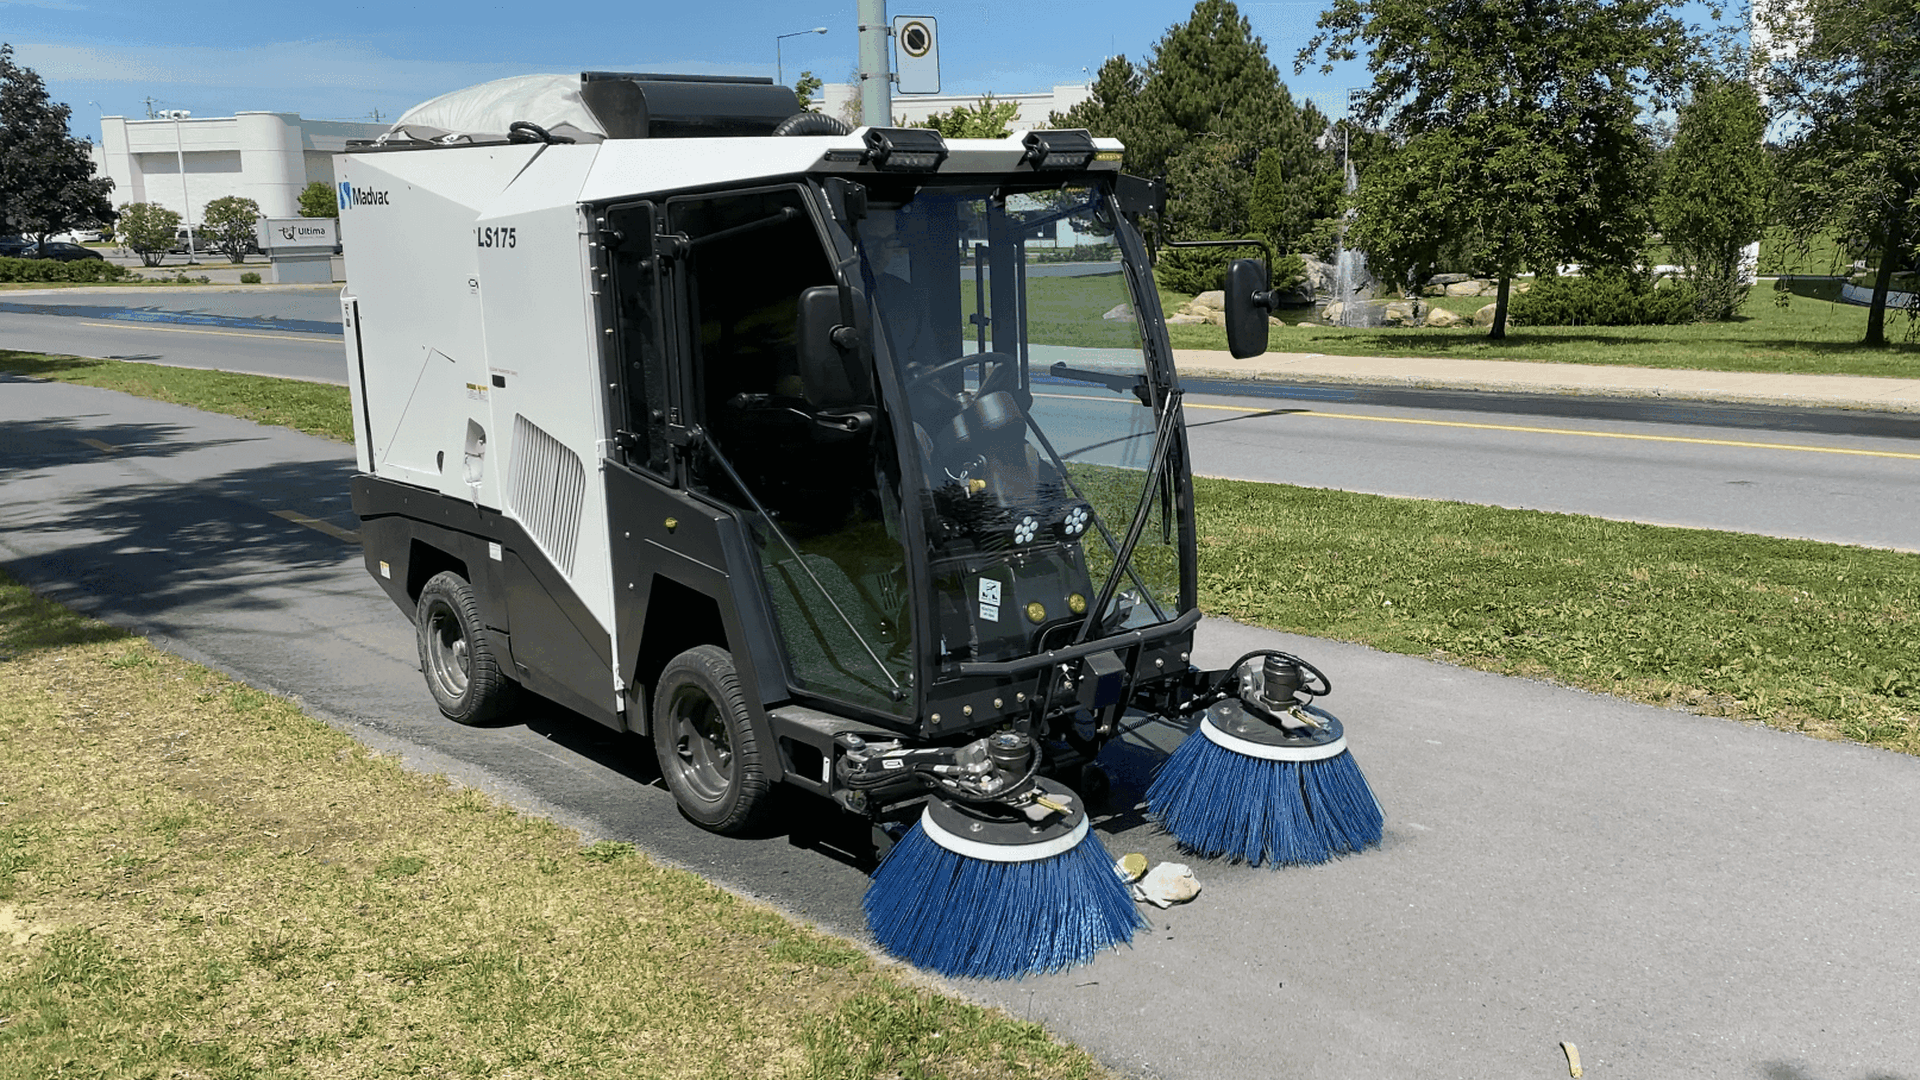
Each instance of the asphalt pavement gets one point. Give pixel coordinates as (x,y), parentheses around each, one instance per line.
(1677,895)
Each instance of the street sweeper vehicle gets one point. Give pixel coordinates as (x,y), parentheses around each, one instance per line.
(851,461)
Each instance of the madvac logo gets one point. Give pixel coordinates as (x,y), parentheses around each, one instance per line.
(353,196)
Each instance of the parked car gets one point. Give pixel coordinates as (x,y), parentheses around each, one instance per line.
(14,247)
(63,252)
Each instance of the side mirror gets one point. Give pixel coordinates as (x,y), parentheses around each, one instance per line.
(1248,301)
(834,372)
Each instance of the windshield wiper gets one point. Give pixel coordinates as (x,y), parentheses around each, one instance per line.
(1123,558)
(1119,384)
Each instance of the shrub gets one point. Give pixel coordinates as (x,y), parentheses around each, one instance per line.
(52,270)
(147,228)
(249,278)
(1196,270)
(1605,298)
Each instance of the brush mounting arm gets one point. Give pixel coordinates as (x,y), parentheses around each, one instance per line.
(997,769)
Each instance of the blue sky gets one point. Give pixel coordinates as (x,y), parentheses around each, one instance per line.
(343,59)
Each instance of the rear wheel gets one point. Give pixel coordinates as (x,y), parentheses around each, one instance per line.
(456,654)
(704,739)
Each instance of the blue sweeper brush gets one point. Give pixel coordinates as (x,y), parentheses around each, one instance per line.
(1000,890)
(1266,778)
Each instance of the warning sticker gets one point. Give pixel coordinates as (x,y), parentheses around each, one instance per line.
(989,600)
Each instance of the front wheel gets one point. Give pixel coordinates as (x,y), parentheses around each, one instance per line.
(456,655)
(705,741)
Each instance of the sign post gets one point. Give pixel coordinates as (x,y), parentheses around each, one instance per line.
(300,249)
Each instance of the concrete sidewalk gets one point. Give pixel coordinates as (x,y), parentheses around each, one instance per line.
(1583,380)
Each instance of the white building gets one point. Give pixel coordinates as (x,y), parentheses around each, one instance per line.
(839,99)
(264,156)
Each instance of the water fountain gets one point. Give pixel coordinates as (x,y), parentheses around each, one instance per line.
(1352,282)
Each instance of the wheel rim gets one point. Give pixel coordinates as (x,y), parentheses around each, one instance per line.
(448,655)
(702,749)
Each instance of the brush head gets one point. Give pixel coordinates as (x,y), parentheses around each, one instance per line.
(985,892)
(1301,733)
(997,832)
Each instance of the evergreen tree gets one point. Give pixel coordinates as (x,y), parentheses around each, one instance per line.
(46,175)
(1201,111)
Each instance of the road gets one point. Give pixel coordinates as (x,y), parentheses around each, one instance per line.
(1807,484)
(1677,895)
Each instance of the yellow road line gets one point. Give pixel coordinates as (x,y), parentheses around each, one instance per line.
(196,330)
(1566,431)
(105,448)
(317,525)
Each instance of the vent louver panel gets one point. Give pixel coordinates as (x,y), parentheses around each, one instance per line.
(549,489)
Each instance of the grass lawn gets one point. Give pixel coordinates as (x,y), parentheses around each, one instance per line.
(1803,636)
(315,408)
(198,880)
(1811,334)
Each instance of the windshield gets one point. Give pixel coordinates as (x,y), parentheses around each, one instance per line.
(1009,319)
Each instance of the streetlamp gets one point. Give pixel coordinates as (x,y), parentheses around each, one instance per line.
(180,162)
(779,69)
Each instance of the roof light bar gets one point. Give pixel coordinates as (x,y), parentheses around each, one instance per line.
(1058,151)
(905,149)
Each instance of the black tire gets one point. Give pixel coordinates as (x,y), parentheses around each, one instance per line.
(456,653)
(705,741)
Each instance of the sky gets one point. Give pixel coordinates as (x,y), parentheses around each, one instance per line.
(344,60)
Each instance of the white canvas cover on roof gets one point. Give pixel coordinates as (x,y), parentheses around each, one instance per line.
(485,111)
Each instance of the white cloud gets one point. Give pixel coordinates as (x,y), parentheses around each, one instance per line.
(299,67)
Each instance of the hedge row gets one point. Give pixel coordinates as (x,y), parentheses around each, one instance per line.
(54,270)
(1615,298)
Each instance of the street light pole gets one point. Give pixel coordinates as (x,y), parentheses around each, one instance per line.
(180,162)
(779,67)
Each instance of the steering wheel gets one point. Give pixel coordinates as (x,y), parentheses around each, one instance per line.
(928,375)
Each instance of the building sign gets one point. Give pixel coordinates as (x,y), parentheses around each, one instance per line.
(297,234)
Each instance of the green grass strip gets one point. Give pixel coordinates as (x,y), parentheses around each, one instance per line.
(1803,636)
(196,879)
(315,408)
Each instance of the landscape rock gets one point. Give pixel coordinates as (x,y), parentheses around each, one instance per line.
(1403,313)
(1466,288)
(1442,317)
(1449,279)
(1186,320)
(1320,275)
(1332,312)
(1215,317)
(1119,313)
(1435,289)
(1215,299)
(1484,317)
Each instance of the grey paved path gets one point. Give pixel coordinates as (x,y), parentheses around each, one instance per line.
(1678,896)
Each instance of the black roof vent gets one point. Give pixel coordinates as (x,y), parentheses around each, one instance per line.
(644,106)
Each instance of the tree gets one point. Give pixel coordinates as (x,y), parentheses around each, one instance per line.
(804,89)
(985,119)
(228,225)
(1841,74)
(1516,123)
(1715,188)
(148,229)
(46,175)
(319,199)
(1201,111)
